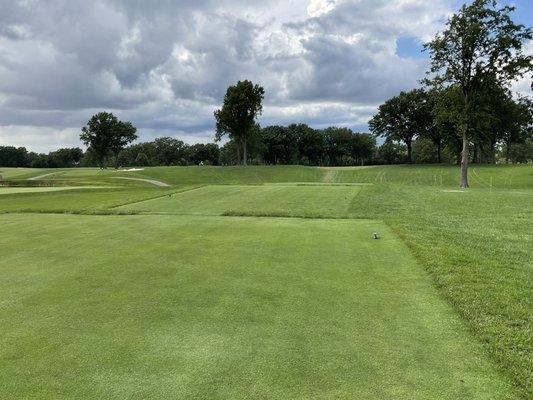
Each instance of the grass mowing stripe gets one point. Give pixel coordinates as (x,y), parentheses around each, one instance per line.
(213,307)
(270,199)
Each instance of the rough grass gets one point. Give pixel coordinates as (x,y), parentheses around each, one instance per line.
(146,307)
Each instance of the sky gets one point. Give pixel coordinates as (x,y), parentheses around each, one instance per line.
(165,65)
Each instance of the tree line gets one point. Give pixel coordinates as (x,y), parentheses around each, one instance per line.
(465,105)
(465,112)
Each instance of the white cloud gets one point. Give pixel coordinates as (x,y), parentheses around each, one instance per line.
(165,65)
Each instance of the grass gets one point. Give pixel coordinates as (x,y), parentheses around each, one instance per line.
(471,249)
(76,200)
(13,190)
(229,308)
(481,176)
(216,200)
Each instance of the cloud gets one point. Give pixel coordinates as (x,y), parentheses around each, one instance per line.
(165,65)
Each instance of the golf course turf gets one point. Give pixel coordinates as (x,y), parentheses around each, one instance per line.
(266,283)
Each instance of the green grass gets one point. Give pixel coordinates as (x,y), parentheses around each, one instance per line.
(14,173)
(292,199)
(36,189)
(481,176)
(226,308)
(76,200)
(475,248)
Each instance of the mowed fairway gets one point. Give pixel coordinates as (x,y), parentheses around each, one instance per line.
(306,200)
(199,307)
(205,289)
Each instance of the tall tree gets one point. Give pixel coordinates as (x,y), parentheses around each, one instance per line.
(123,134)
(105,134)
(481,41)
(402,118)
(242,105)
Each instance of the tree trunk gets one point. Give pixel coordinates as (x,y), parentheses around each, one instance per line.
(238,152)
(464,162)
(409,151)
(507,152)
(244,152)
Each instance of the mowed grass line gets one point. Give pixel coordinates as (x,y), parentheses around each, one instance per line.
(37,189)
(77,200)
(316,200)
(150,307)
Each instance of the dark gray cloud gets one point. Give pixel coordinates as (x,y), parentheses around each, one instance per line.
(165,65)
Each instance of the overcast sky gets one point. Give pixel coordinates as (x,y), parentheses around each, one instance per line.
(164,65)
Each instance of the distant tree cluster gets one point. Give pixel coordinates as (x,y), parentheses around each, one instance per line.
(303,145)
(167,151)
(467,106)
(20,157)
(426,125)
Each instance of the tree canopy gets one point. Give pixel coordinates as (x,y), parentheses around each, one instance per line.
(480,43)
(105,134)
(403,117)
(237,117)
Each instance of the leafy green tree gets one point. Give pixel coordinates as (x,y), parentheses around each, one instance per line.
(142,160)
(105,134)
(338,143)
(123,134)
(275,139)
(310,145)
(207,153)
(242,105)
(97,135)
(362,147)
(480,42)
(520,152)
(515,124)
(11,156)
(168,151)
(403,118)
(65,158)
(390,152)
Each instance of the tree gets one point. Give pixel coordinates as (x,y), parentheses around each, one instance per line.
(64,158)
(13,156)
(480,42)
(390,153)
(105,134)
(207,154)
(432,130)
(97,135)
(141,160)
(338,145)
(236,118)
(122,134)
(169,151)
(402,117)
